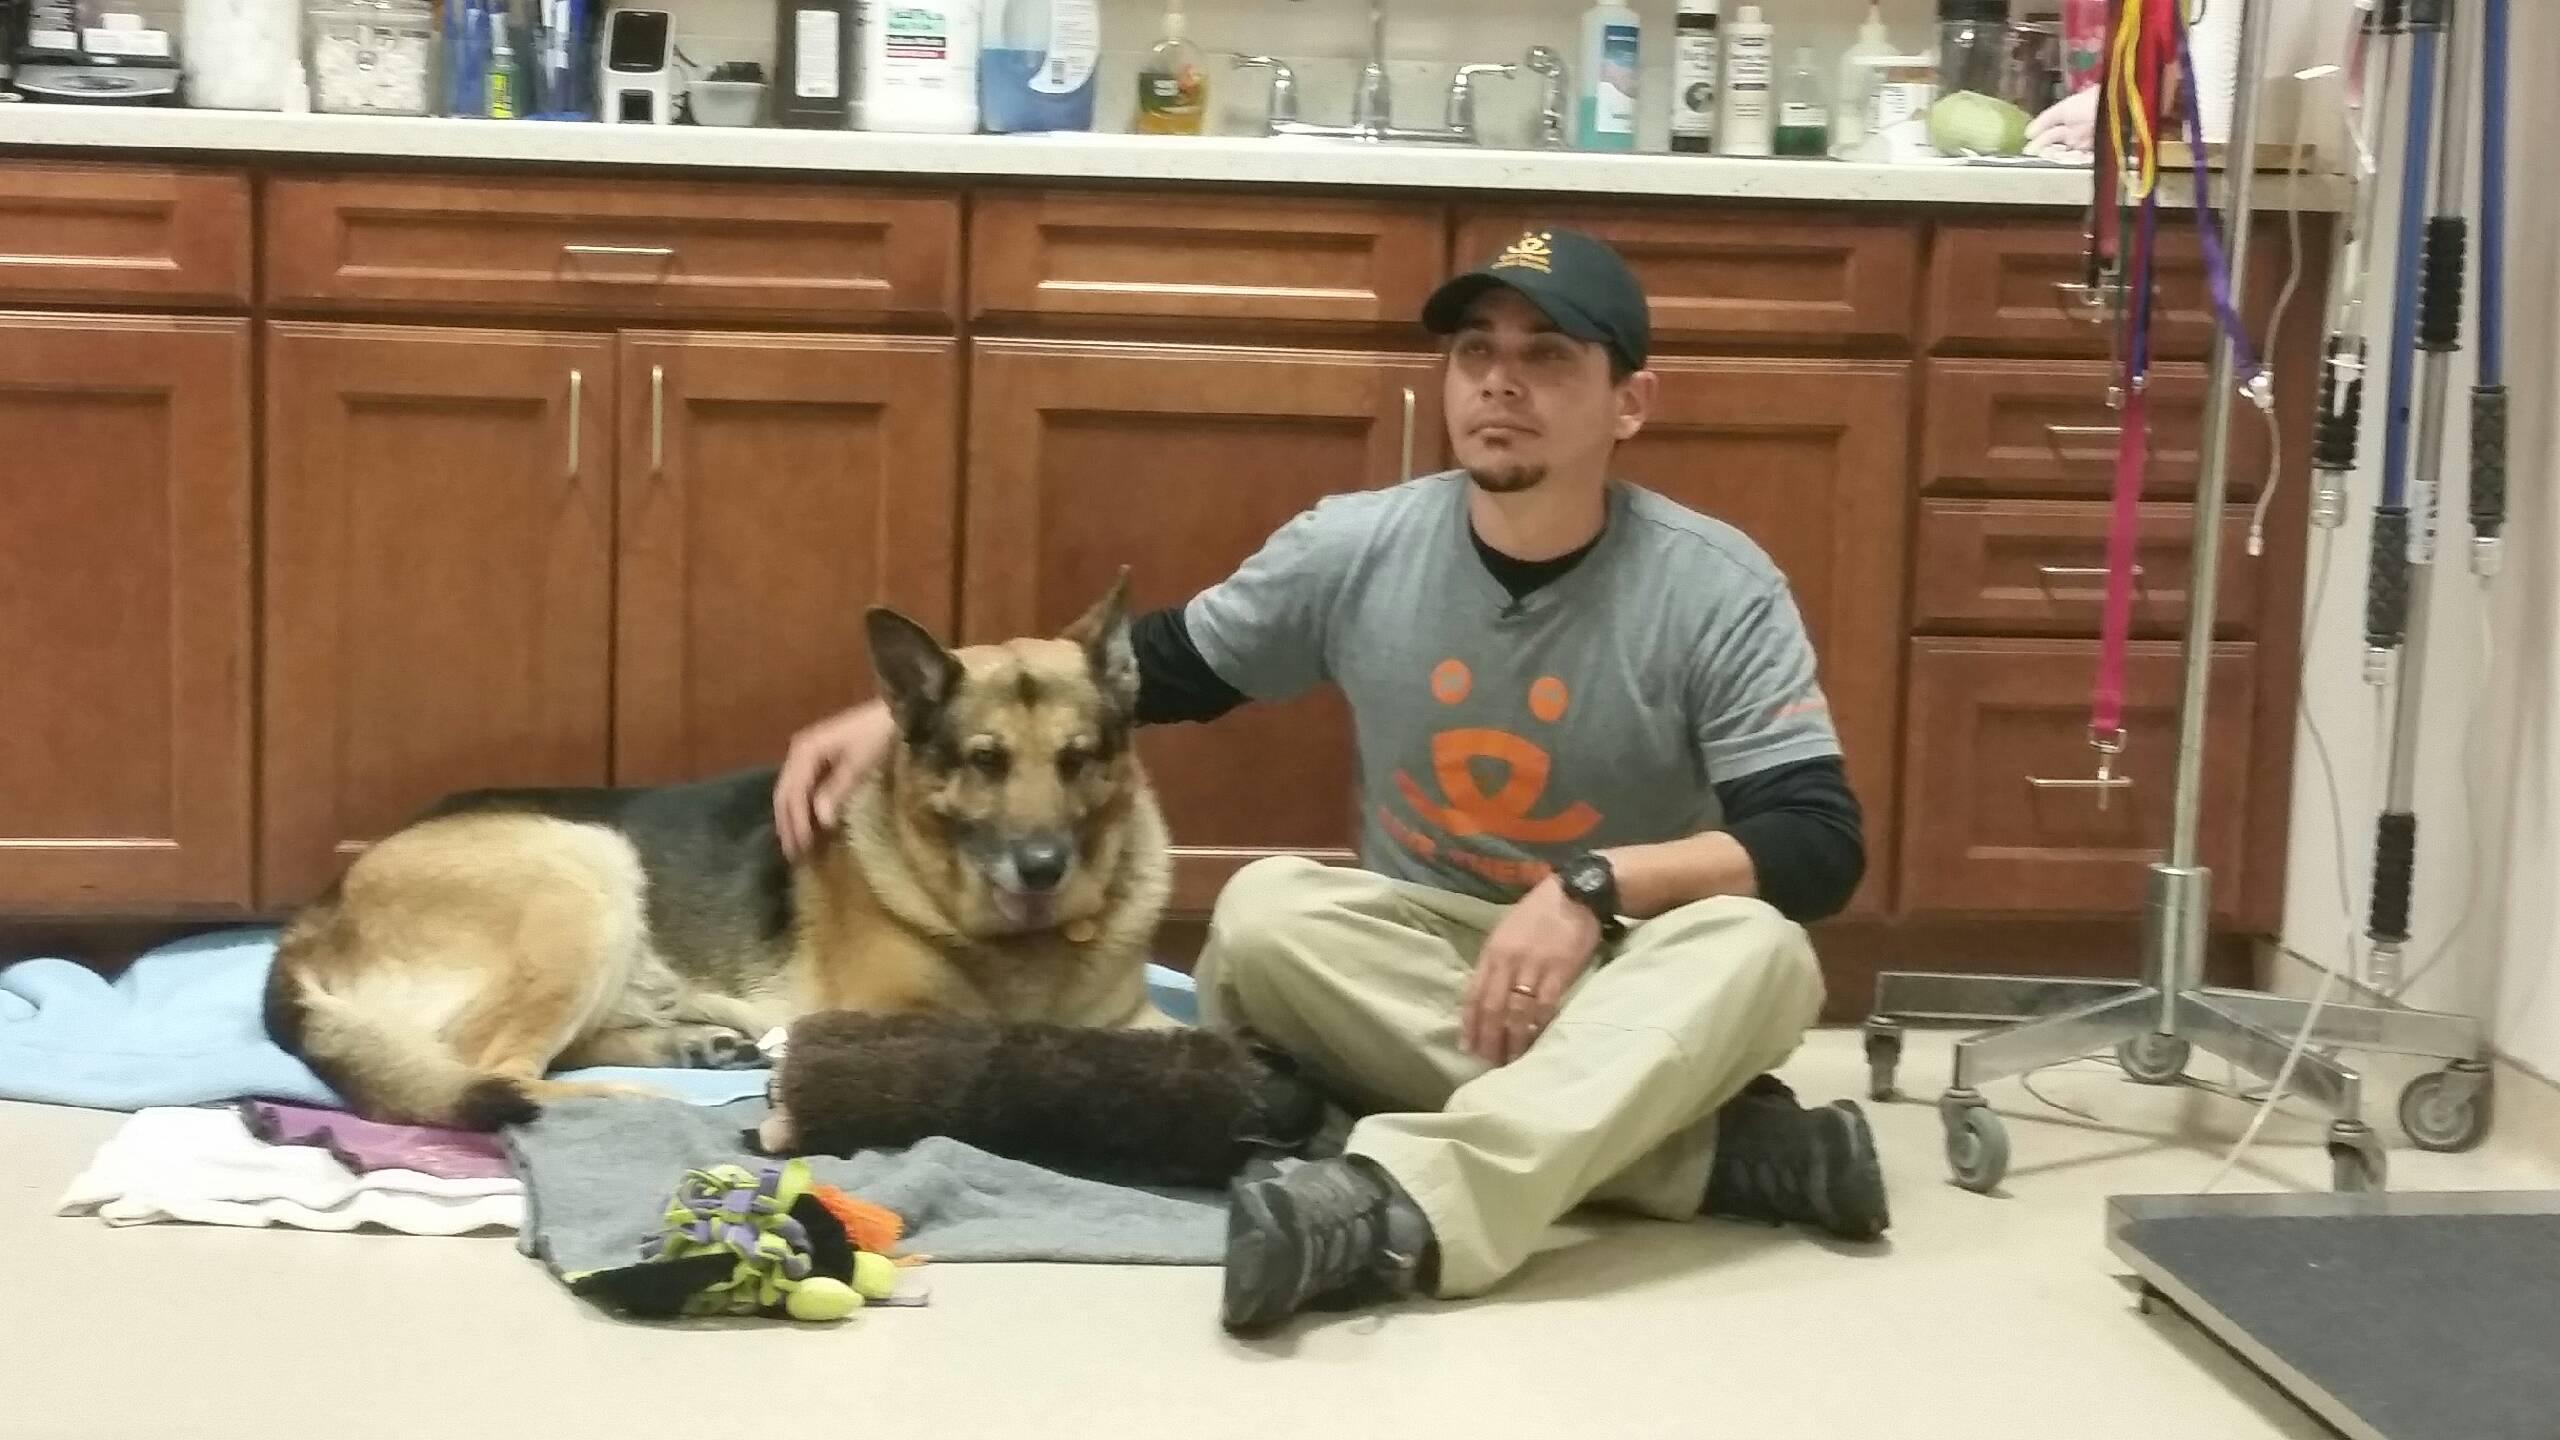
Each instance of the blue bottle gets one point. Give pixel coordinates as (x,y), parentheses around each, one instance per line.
(1036,67)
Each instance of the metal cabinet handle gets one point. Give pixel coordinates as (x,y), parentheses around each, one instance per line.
(2079,572)
(2090,300)
(2091,782)
(639,252)
(1406,472)
(2085,432)
(658,420)
(577,409)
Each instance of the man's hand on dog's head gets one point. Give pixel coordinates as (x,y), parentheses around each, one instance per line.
(824,763)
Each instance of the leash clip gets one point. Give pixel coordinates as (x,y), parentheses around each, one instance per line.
(2109,744)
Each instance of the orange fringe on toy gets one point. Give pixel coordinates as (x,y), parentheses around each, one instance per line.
(871,1227)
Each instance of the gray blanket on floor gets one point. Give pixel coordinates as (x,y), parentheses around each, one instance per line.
(598,1174)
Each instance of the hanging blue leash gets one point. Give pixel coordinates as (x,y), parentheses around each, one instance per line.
(2386,614)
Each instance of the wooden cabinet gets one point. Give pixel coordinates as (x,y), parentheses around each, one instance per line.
(2038,567)
(1055,255)
(2004,811)
(124,613)
(1179,461)
(771,488)
(657,249)
(123,234)
(1766,277)
(439,549)
(2043,427)
(1807,458)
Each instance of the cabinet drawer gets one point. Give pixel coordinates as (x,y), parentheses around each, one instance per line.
(2001,288)
(114,234)
(624,248)
(2039,567)
(1997,815)
(2008,427)
(1797,277)
(1217,257)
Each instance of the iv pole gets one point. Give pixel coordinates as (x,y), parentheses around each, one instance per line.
(2155,1021)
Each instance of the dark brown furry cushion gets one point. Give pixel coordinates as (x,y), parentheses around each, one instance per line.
(1138,1107)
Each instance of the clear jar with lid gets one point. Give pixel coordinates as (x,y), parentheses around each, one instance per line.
(1973,46)
(373,57)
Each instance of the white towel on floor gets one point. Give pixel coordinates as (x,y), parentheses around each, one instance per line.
(203,1165)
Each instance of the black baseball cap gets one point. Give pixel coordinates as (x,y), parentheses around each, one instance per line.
(1575,281)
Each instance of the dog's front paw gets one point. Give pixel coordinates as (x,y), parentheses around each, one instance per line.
(712,1047)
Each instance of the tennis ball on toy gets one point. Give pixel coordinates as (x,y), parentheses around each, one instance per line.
(822,1298)
(875,1276)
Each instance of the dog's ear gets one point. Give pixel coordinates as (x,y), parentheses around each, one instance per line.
(1103,631)
(917,676)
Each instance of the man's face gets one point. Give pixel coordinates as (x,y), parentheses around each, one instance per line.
(1525,399)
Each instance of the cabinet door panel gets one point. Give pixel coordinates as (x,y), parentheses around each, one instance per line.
(439,548)
(772,489)
(124,613)
(1179,461)
(1807,458)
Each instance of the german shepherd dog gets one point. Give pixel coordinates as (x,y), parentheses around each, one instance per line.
(1007,860)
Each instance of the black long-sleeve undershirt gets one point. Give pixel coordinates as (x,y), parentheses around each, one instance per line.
(1800,824)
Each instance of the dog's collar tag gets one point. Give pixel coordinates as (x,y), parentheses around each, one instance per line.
(1081,932)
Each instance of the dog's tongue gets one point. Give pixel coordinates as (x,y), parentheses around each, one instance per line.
(1026,912)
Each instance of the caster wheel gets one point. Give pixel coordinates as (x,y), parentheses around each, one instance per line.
(2448,1109)
(2357,1165)
(1884,1055)
(1977,1147)
(2153,1059)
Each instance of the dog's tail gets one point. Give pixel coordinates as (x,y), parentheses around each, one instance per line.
(382,1068)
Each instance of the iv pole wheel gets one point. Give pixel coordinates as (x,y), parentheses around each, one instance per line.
(2448,1109)
(2357,1165)
(1977,1143)
(2153,1059)
(1884,1054)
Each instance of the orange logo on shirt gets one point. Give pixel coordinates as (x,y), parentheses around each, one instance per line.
(1466,808)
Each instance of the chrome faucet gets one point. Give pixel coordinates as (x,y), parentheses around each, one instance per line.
(1373,102)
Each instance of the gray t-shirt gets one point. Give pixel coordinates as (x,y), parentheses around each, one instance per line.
(1499,737)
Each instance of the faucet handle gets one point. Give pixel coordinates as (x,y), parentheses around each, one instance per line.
(1542,60)
(1462,95)
(1284,85)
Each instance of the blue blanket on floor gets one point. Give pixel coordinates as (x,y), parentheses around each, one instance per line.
(182,1027)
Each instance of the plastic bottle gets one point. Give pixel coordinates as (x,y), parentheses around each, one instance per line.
(814,42)
(1804,111)
(1612,50)
(1697,63)
(1037,72)
(919,69)
(502,68)
(1173,86)
(1745,127)
(1849,87)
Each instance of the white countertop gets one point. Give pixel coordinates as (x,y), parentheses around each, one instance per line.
(1230,160)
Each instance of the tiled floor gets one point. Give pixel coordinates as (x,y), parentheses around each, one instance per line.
(1985,1317)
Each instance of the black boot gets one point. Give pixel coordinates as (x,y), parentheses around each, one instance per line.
(1324,1231)
(1780,1162)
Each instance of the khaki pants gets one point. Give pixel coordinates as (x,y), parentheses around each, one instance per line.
(1361,977)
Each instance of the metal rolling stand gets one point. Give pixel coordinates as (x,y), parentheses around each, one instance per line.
(2154,1022)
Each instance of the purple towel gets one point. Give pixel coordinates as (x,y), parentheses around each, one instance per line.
(362,1145)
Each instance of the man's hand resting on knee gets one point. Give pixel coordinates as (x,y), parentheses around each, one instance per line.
(1534,954)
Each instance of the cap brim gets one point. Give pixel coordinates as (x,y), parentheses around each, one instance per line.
(1446,310)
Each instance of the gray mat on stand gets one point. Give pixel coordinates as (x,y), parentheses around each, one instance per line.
(598,1174)
(2398,1326)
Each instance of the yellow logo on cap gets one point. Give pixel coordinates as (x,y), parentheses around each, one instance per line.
(1529,252)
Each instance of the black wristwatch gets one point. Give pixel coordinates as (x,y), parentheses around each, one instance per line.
(1594,886)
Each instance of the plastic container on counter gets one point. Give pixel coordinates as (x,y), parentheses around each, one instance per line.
(373,57)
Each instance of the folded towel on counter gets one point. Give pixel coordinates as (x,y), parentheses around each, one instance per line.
(183,1026)
(202,1165)
(598,1173)
(368,1145)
